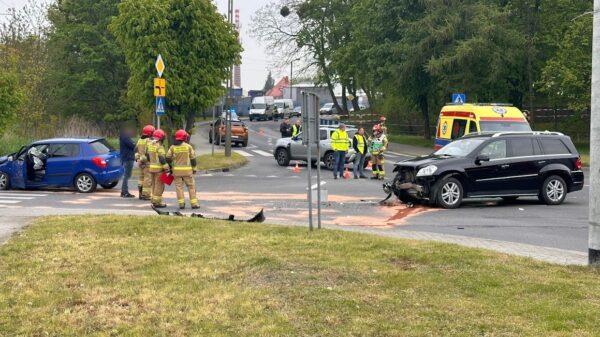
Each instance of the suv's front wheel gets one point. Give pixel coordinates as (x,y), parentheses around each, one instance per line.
(283,157)
(554,190)
(449,193)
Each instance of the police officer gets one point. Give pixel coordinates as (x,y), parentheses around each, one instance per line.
(145,180)
(155,153)
(182,159)
(377,146)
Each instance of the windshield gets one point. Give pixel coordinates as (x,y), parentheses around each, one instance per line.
(460,148)
(101,146)
(259,106)
(504,126)
(279,105)
(328,105)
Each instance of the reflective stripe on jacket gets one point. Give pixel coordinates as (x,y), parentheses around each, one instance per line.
(182,158)
(140,150)
(156,156)
(340,140)
(378,145)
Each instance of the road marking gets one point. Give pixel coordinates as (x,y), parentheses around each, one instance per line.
(16,198)
(251,176)
(10,201)
(272,177)
(244,153)
(262,153)
(402,154)
(25,194)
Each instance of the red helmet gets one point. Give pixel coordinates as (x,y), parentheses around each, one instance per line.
(181,135)
(382,119)
(376,128)
(148,130)
(159,134)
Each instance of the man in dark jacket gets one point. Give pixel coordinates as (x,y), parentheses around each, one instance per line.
(127,148)
(285,128)
(359,143)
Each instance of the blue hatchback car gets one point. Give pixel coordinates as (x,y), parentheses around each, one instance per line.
(82,164)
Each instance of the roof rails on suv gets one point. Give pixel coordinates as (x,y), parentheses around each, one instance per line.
(534,133)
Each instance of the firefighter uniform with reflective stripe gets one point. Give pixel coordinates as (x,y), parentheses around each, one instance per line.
(145,180)
(155,153)
(377,146)
(183,162)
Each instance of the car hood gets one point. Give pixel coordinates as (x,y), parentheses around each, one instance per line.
(3,159)
(422,161)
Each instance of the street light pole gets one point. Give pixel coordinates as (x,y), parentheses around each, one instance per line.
(229,90)
(594,221)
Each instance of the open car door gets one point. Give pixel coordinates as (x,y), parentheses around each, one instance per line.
(19,177)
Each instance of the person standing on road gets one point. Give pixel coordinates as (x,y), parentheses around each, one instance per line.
(296,128)
(182,158)
(158,164)
(340,144)
(285,128)
(359,143)
(377,146)
(127,149)
(145,179)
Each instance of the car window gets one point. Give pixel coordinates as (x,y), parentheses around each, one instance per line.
(460,148)
(521,147)
(473,127)
(495,150)
(63,150)
(537,149)
(458,128)
(323,134)
(101,146)
(554,146)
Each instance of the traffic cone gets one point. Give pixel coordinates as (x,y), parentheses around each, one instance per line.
(346,174)
(369,165)
(296,169)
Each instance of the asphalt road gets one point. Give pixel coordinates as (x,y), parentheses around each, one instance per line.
(351,203)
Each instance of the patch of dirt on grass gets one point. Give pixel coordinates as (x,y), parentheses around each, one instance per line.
(403,264)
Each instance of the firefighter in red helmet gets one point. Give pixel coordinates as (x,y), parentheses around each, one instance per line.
(182,158)
(377,146)
(145,180)
(155,153)
(382,125)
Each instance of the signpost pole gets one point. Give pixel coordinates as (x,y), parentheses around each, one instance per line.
(229,92)
(594,212)
(315,109)
(212,130)
(306,110)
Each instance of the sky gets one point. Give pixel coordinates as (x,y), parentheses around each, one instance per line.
(255,63)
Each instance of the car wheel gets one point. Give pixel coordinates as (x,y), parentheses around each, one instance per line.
(85,183)
(4,181)
(218,141)
(251,119)
(554,190)
(328,160)
(245,143)
(510,199)
(449,193)
(109,186)
(282,156)
(210,138)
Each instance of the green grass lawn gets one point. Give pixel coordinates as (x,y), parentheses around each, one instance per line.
(412,140)
(219,161)
(159,276)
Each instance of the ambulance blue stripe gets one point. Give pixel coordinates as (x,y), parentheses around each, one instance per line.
(442,142)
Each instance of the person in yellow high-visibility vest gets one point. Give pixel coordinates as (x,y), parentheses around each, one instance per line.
(359,143)
(155,153)
(340,143)
(182,158)
(377,146)
(145,180)
(296,128)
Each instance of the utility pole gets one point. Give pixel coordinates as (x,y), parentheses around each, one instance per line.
(594,224)
(229,90)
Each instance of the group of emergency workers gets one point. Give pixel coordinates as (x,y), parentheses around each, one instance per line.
(155,164)
(376,144)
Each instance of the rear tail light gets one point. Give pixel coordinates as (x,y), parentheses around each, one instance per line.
(100,162)
(578,164)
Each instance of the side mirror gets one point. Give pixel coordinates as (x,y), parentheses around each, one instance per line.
(10,158)
(481,158)
(248,108)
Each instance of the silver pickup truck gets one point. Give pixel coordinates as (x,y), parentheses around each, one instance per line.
(291,149)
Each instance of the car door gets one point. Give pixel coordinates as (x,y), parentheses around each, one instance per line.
(18,177)
(491,177)
(524,165)
(61,163)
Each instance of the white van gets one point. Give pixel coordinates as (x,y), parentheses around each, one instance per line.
(285,107)
(262,108)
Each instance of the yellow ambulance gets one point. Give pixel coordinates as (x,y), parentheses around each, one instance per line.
(457,120)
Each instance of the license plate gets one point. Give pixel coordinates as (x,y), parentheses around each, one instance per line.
(235,137)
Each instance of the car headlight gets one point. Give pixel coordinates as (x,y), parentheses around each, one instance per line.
(427,171)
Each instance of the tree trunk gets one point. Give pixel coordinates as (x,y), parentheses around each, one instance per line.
(424,105)
(344,101)
(352,90)
(189,120)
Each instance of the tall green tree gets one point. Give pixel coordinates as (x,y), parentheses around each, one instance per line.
(10,95)
(269,83)
(87,74)
(198,47)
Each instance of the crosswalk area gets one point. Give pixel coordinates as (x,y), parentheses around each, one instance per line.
(252,153)
(15,198)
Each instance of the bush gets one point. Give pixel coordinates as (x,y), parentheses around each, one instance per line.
(10,143)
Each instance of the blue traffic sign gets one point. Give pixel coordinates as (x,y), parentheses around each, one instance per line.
(160,106)
(459,98)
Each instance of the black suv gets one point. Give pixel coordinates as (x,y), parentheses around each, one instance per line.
(505,165)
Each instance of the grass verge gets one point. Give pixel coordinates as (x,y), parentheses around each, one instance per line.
(151,276)
(219,161)
(412,140)
(10,143)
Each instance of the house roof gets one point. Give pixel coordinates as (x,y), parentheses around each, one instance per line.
(277,90)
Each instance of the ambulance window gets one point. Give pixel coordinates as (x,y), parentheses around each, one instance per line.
(473,127)
(459,127)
